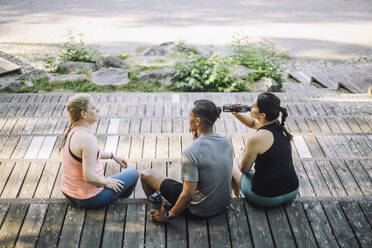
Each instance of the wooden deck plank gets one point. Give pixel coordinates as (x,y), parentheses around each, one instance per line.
(331,178)
(47,180)
(72,227)
(32,179)
(176,232)
(350,146)
(134,235)
(300,226)
(347,179)
(111,144)
(15,180)
(174,147)
(156,125)
(21,147)
(29,233)
(57,192)
(34,147)
(338,146)
(114,226)
(313,146)
(306,188)
(360,176)
(124,146)
(9,125)
(50,125)
(366,206)
(367,165)
(155,232)
(316,178)
(174,170)
(238,225)
(322,125)
(259,226)
(40,125)
(363,147)
(141,166)
(145,126)
(177,125)
(30,125)
(12,224)
(320,226)
(301,146)
(313,125)
(93,228)
(280,227)
(47,147)
(301,123)
(363,124)
(354,127)
(358,222)
(339,224)
(136,148)
(166,125)
(103,125)
(149,146)
(326,146)
(3,211)
(162,147)
(6,169)
(197,232)
(9,147)
(219,231)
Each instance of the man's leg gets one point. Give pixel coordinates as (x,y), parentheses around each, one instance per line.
(235,183)
(151,181)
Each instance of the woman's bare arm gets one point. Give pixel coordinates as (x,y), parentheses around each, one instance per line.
(246,120)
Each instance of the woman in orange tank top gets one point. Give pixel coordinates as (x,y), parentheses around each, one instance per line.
(83,181)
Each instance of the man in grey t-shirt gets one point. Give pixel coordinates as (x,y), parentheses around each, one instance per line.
(206,170)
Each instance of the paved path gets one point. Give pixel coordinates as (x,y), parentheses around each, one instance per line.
(312,29)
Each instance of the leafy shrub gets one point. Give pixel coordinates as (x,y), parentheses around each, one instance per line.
(78,50)
(262,58)
(205,73)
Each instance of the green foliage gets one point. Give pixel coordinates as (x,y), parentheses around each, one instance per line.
(123,56)
(77,50)
(205,73)
(263,58)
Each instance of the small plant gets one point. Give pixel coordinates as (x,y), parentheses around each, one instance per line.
(263,58)
(205,73)
(78,50)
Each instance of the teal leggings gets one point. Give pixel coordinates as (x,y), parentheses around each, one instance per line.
(246,188)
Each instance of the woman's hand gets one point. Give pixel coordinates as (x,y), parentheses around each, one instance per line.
(120,161)
(114,184)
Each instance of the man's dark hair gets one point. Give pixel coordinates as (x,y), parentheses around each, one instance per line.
(207,110)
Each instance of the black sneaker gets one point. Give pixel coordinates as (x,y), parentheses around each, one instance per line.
(156,198)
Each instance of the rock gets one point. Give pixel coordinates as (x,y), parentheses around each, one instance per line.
(110,76)
(74,77)
(167,48)
(268,85)
(239,71)
(163,75)
(155,51)
(74,66)
(112,61)
(11,81)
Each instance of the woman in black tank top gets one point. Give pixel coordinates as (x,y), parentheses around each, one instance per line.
(274,180)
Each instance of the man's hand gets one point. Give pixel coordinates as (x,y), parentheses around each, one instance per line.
(159,215)
(120,161)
